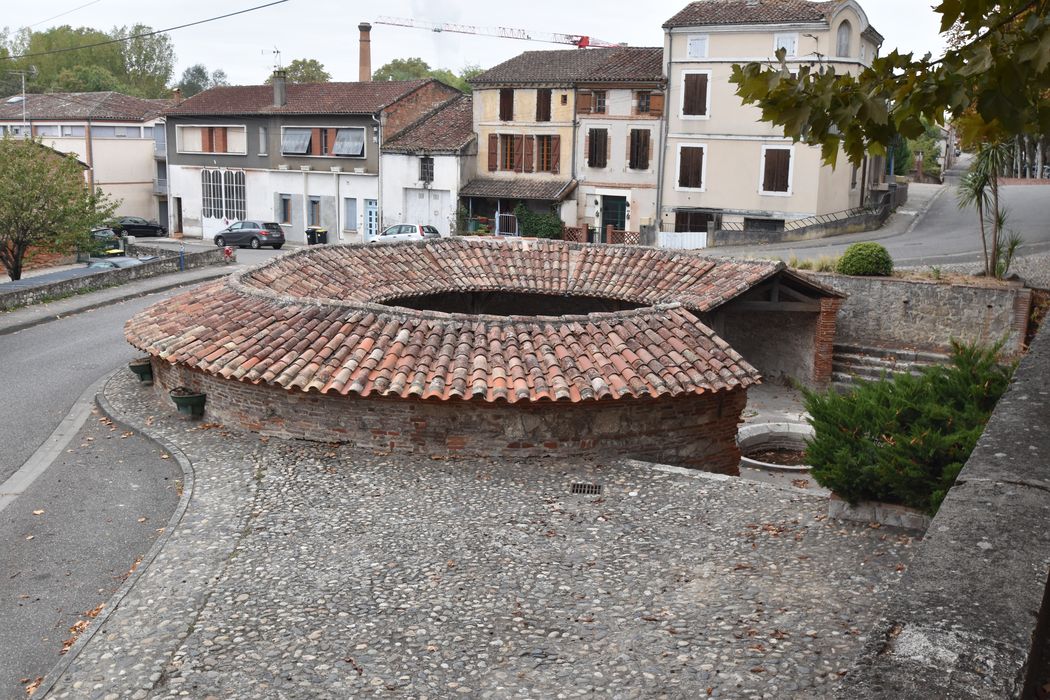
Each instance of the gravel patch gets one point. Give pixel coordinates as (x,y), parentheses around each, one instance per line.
(309,570)
(1033,269)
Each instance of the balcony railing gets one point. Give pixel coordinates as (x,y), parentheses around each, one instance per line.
(160,185)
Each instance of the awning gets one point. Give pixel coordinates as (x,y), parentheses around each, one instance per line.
(519,188)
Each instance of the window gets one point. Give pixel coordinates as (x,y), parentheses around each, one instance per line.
(324,141)
(564,99)
(697,47)
(597,148)
(313,212)
(543,105)
(72,131)
(695,95)
(853,178)
(694,221)
(638,156)
(599,101)
(264,140)
(426,169)
(211,207)
(512,152)
(285,213)
(349,214)
(349,142)
(776,170)
(644,102)
(46,130)
(120,131)
(506,104)
(233,182)
(103,132)
(788,42)
(295,141)
(843,39)
(544,154)
(147,132)
(691,167)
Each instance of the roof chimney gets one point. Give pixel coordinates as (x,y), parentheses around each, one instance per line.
(176,95)
(366,52)
(280,88)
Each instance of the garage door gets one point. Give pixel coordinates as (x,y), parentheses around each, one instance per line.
(428,207)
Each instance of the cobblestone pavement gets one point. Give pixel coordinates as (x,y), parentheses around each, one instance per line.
(308,570)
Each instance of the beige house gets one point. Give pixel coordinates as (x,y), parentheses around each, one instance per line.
(119,137)
(721,164)
(570,131)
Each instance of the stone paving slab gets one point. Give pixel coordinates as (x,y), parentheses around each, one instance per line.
(310,570)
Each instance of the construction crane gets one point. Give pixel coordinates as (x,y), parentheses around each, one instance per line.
(578,40)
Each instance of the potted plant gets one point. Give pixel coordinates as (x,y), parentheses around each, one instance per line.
(189,402)
(143,369)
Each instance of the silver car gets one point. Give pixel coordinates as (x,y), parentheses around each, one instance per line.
(407,232)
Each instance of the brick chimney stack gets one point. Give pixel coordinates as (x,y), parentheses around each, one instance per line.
(366,52)
(280,88)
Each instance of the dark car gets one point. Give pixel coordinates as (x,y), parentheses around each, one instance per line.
(113,263)
(254,234)
(137,226)
(105,243)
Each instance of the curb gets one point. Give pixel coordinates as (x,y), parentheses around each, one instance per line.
(110,606)
(21,326)
(921,214)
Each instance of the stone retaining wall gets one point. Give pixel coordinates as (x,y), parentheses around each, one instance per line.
(696,431)
(111,278)
(926,315)
(968,620)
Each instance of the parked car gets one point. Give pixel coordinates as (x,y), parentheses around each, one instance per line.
(137,226)
(407,232)
(105,243)
(113,263)
(254,234)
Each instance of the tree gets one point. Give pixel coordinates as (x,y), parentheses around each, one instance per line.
(979,188)
(51,65)
(148,61)
(197,79)
(87,79)
(305,70)
(993,82)
(44,202)
(417,68)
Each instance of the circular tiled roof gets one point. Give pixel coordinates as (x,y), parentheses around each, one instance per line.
(319,320)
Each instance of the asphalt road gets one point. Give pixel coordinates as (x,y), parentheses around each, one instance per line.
(946,234)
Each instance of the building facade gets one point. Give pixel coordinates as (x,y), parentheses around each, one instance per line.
(114,134)
(569,131)
(301,154)
(720,162)
(426,165)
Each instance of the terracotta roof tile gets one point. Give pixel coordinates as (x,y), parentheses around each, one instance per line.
(707,12)
(446,129)
(302,98)
(577,66)
(77,106)
(320,320)
(519,188)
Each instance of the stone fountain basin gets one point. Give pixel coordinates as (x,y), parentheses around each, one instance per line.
(757,437)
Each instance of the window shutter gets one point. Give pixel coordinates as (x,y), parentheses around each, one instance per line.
(493,152)
(584,102)
(315,142)
(220,139)
(555,154)
(530,151)
(543,105)
(691,163)
(207,140)
(775,178)
(631,150)
(695,103)
(656,104)
(332,135)
(519,153)
(641,149)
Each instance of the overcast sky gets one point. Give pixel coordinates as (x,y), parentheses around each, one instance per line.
(327,29)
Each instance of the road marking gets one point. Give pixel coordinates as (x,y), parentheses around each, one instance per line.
(46,454)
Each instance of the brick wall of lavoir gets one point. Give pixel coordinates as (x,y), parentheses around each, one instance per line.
(692,431)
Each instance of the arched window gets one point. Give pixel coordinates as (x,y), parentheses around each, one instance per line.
(845,35)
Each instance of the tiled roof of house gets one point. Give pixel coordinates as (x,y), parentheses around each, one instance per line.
(707,12)
(302,98)
(518,188)
(324,320)
(574,66)
(80,106)
(445,129)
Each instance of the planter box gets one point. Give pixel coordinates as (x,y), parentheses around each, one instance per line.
(883,513)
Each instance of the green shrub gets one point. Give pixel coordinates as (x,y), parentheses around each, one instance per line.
(904,440)
(865,260)
(536,224)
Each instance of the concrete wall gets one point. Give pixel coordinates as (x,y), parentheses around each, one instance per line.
(697,430)
(401,179)
(969,619)
(926,315)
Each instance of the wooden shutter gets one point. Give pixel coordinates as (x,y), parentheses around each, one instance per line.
(695,103)
(639,149)
(656,104)
(775,177)
(691,164)
(543,105)
(555,154)
(506,104)
(315,142)
(584,102)
(220,139)
(519,153)
(208,139)
(530,151)
(493,152)
(332,133)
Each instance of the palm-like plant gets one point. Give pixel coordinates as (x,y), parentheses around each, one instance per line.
(979,188)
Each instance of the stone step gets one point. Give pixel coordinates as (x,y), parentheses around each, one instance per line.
(924,356)
(887,363)
(874,372)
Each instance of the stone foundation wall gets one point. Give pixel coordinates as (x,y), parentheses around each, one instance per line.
(927,315)
(692,431)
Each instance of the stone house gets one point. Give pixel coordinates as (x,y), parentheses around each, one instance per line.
(298,154)
(720,162)
(426,165)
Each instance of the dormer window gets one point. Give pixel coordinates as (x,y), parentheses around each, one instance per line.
(844,39)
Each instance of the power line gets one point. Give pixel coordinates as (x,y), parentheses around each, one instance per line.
(67,12)
(145,34)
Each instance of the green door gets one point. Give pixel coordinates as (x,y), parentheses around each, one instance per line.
(614,211)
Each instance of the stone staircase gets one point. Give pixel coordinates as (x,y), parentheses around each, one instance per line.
(853,362)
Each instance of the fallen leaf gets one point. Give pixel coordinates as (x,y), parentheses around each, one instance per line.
(165,456)
(31,688)
(141,520)
(38,512)
(29,537)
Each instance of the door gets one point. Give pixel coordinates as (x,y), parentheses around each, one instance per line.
(440,213)
(614,211)
(371,219)
(178,215)
(417,206)
(162,213)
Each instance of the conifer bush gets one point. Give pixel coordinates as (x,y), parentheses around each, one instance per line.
(865,260)
(904,440)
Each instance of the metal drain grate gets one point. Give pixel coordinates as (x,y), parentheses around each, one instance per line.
(586,489)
